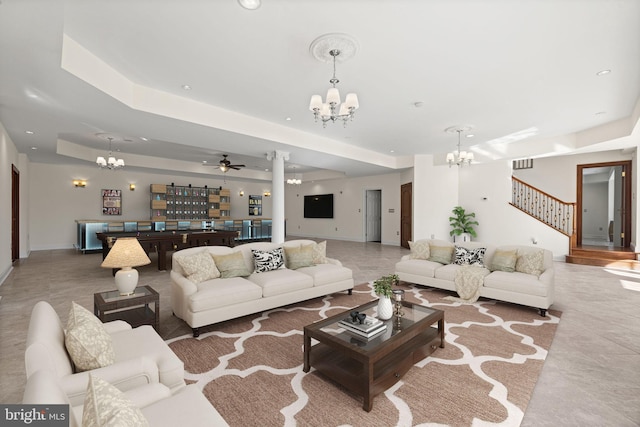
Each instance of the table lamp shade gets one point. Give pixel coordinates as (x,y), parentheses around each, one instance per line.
(125,254)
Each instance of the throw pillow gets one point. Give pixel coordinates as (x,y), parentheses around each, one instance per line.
(441,254)
(419,249)
(319,252)
(474,257)
(264,261)
(106,406)
(89,345)
(231,265)
(530,262)
(199,267)
(504,260)
(298,256)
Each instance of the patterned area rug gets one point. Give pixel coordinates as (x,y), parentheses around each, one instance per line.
(251,368)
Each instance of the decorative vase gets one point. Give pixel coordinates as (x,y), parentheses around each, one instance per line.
(385,308)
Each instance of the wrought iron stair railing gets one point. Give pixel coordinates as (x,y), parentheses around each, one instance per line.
(550,210)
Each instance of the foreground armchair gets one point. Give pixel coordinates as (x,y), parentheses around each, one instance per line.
(140,356)
(155,403)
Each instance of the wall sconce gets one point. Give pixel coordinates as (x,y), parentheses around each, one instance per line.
(79,183)
(241,193)
(267,194)
(132,187)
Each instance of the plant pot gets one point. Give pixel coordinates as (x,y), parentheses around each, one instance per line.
(385,308)
(463,237)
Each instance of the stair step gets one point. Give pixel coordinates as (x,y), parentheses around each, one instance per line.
(604,254)
(630,264)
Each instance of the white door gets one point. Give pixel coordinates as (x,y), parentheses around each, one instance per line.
(373,216)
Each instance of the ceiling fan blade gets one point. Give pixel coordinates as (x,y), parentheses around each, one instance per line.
(236,166)
(233,167)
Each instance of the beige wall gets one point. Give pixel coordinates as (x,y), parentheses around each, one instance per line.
(349,208)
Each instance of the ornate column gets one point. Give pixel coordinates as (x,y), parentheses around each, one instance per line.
(277,194)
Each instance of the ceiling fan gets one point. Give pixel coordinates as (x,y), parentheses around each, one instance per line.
(225,164)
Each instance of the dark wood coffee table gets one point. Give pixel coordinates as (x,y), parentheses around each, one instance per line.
(369,367)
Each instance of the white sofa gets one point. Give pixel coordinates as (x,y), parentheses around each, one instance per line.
(141,356)
(218,299)
(187,407)
(517,287)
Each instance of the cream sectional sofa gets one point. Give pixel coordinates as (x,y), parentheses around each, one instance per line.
(523,285)
(234,287)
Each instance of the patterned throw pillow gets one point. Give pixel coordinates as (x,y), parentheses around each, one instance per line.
(264,261)
(419,249)
(319,252)
(199,267)
(231,265)
(441,254)
(530,262)
(474,257)
(89,345)
(298,256)
(504,260)
(106,406)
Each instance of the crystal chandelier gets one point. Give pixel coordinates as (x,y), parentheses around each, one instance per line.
(459,158)
(295,180)
(333,110)
(111,162)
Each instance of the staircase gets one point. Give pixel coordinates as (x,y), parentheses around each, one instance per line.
(560,216)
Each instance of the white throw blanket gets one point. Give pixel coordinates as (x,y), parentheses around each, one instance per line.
(468,281)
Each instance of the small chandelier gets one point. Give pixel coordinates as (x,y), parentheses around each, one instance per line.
(111,162)
(459,158)
(332,110)
(295,180)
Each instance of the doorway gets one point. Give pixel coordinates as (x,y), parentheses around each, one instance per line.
(373,216)
(603,206)
(15,213)
(406,214)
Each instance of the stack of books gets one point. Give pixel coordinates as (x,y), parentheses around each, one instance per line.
(367,329)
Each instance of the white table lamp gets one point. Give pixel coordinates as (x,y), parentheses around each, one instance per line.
(125,254)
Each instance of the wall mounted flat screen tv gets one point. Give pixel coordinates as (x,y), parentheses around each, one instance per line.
(318,206)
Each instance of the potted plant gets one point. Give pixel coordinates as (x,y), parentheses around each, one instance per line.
(462,224)
(383,287)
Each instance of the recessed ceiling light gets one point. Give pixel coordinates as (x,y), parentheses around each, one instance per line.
(266,170)
(186,87)
(143,138)
(34,148)
(603,72)
(392,151)
(470,135)
(249,4)
(288,119)
(204,161)
(28,132)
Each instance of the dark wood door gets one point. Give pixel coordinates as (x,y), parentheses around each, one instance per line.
(406,214)
(15,213)
(619,229)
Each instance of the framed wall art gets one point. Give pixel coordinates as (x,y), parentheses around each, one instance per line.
(111,202)
(255,205)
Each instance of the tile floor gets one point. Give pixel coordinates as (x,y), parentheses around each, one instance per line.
(590,378)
